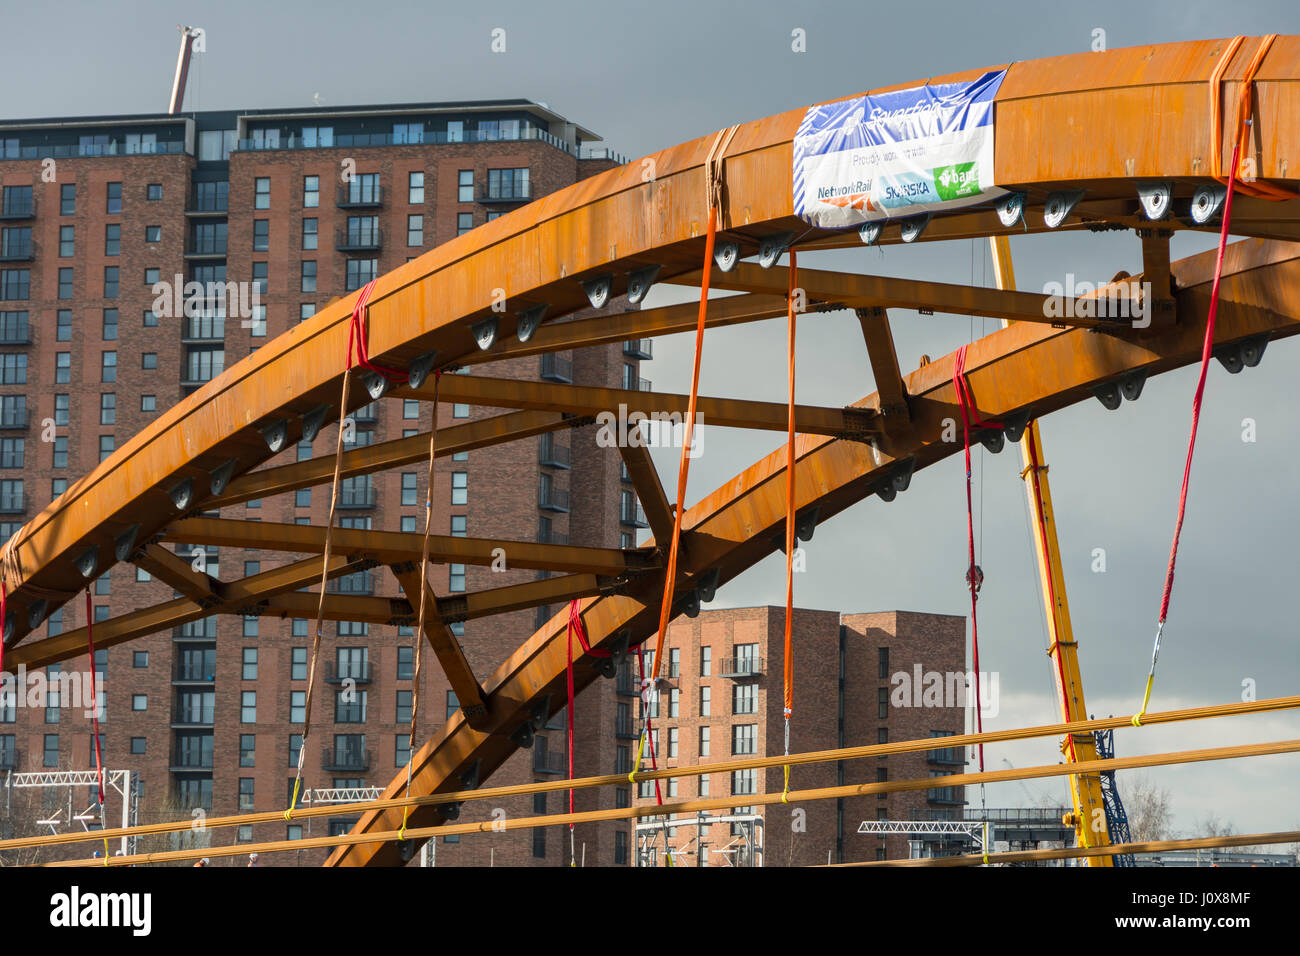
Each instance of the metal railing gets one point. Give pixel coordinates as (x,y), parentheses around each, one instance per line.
(353,239)
(356,195)
(553,499)
(638,348)
(551,454)
(17,250)
(208,201)
(204,328)
(190,761)
(740,667)
(13,503)
(367,414)
(361,582)
(515,192)
(551,537)
(626,728)
(72,151)
(556,369)
(206,247)
(632,514)
(195,717)
(333,758)
(336,673)
(13,419)
(195,673)
(549,762)
(424,138)
(18,208)
(357,497)
(15,331)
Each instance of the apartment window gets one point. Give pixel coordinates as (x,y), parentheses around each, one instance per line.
(453,703)
(153,234)
(51,754)
(15,284)
(108,367)
(12,452)
(298,657)
(262,193)
(882,657)
(674,701)
(460,487)
(113,239)
(62,368)
(306,310)
(620,847)
(744,699)
(706,701)
(13,368)
(106,446)
(310,233)
(114,198)
(743,783)
(410,408)
(415,230)
(65,283)
(464,223)
(882,736)
(139,745)
(350,706)
(151,277)
(465,184)
(308,276)
(260,273)
(261,235)
(706,661)
(508,183)
(459,410)
(311,190)
(67,242)
(248,707)
(140,659)
(68,199)
(672,742)
(415,189)
(401,750)
(744,739)
(456,577)
(153,192)
(405,663)
(63,326)
(110,325)
(148,403)
(60,452)
(108,408)
(360,271)
(111,281)
(302,498)
(403,707)
(408,488)
(249,663)
(882,702)
(139,702)
(704,741)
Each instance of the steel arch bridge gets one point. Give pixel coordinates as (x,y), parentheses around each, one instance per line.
(1089,129)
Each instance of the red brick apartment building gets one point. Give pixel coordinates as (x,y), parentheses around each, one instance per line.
(98,210)
(720,696)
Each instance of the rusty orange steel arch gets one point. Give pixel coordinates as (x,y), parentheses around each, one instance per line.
(1096,122)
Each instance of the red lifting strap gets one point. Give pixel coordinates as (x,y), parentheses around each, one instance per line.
(358,334)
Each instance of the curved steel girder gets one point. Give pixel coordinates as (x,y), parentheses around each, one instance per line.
(1022,367)
(1049,120)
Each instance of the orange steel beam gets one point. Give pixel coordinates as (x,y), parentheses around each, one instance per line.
(388,454)
(615,222)
(646,323)
(591,401)
(173,570)
(240,596)
(1025,366)
(444,644)
(887,292)
(649,490)
(395,547)
(895,416)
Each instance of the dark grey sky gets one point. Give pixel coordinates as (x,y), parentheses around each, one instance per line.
(647,76)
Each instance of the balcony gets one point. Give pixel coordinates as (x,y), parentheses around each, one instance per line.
(14,503)
(367,414)
(190,673)
(338,673)
(333,758)
(183,762)
(368,239)
(362,582)
(208,203)
(638,348)
(194,717)
(9,758)
(740,667)
(631,513)
(548,762)
(204,328)
(623,762)
(946,796)
(357,498)
(627,685)
(14,209)
(202,630)
(15,331)
(552,499)
(356,196)
(551,537)
(18,250)
(625,729)
(552,455)
(206,249)
(13,419)
(948,756)
(511,193)
(556,369)
(643,385)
